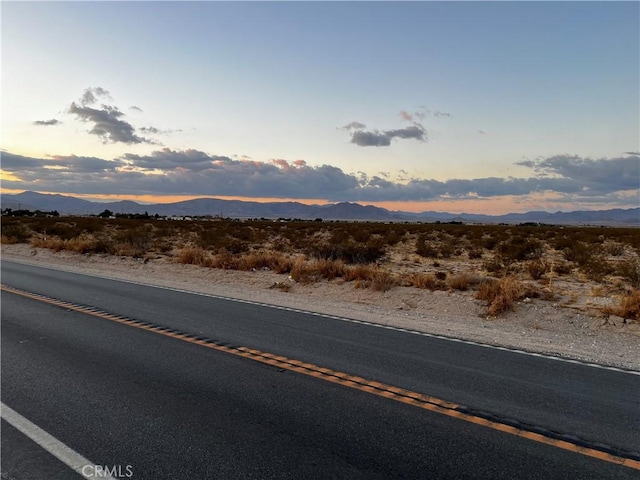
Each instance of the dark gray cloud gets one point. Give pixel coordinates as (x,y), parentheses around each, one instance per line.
(47,123)
(383,138)
(194,172)
(106,120)
(378,138)
(598,175)
(107,124)
(439,114)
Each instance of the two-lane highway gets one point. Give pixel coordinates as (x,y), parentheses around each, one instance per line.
(149,396)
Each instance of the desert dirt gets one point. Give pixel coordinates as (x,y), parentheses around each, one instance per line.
(533,325)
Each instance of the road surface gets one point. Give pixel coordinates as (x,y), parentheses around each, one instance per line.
(153,383)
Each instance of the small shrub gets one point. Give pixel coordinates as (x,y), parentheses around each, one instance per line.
(424,247)
(629,306)
(537,268)
(519,248)
(596,268)
(462,281)
(193,256)
(330,269)
(500,295)
(358,272)
(224,260)
(614,249)
(15,233)
(562,268)
(423,280)
(475,254)
(55,244)
(303,271)
(382,281)
(459,282)
(441,276)
(579,252)
(494,265)
(630,270)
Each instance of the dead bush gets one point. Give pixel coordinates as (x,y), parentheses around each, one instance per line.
(500,295)
(462,281)
(537,268)
(358,272)
(630,271)
(55,244)
(423,280)
(304,271)
(193,256)
(330,269)
(224,260)
(274,261)
(382,281)
(629,306)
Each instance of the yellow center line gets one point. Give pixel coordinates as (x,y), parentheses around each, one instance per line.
(391,392)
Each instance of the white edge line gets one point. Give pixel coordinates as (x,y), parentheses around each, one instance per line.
(55,447)
(351,320)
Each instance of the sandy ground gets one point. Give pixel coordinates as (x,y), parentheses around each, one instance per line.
(536,325)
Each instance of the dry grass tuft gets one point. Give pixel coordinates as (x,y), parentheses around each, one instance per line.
(462,281)
(629,307)
(423,280)
(194,256)
(500,295)
(303,271)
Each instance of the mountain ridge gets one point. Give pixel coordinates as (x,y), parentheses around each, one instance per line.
(69,205)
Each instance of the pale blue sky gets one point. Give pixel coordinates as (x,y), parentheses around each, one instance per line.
(488,90)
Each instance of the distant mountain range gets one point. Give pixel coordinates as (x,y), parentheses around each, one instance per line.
(339,211)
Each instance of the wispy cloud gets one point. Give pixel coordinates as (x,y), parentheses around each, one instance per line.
(47,123)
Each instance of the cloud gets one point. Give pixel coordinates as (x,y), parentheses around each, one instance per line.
(354,126)
(383,138)
(595,175)
(137,109)
(157,131)
(106,124)
(106,120)
(439,114)
(91,95)
(377,138)
(45,123)
(165,171)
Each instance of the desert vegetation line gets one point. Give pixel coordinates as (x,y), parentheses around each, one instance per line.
(500,264)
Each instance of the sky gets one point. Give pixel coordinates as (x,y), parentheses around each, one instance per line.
(477,107)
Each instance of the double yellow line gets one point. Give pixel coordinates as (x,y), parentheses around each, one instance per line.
(391,392)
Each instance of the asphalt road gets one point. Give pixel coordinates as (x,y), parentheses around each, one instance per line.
(160,407)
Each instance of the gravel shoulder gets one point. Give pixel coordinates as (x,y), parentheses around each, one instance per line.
(534,325)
